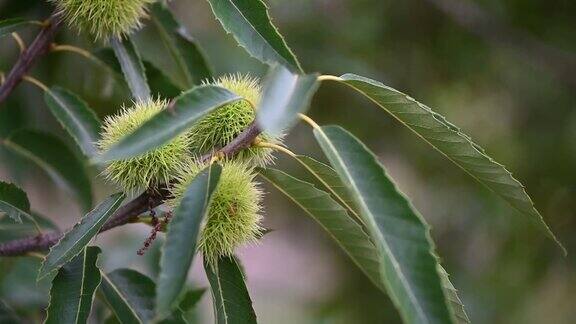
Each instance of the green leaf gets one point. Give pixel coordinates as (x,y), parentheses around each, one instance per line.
(230,298)
(450,141)
(11,25)
(75,116)
(333,218)
(285,95)
(80,235)
(106,58)
(409,265)
(159,83)
(186,110)
(183,49)
(56,159)
(194,56)
(331,181)
(132,67)
(456,307)
(190,299)
(181,237)
(248,21)
(131,295)
(73,289)
(14,201)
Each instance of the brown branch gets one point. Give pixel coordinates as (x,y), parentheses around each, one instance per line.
(39,47)
(130,211)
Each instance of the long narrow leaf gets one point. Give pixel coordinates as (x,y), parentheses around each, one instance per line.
(248,21)
(409,265)
(331,181)
(182,48)
(450,141)
(14,201)
(73,289)
(80,235)
(158,82)
(230,298)
(456,307)
(132,67)
(181,238)
(285,95)
(333,218)
(75,116)
(130,295)
(188,108)
(56,159)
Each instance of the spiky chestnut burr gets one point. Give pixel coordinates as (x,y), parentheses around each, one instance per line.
(234,213)
(225,123)
(103,19)
(152,168)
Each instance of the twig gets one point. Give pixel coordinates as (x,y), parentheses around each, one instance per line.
(39,47)
(129,212)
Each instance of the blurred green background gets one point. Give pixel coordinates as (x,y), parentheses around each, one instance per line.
(504,71)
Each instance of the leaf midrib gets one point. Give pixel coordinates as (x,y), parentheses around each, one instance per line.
(119,293)
(385,244)
(63,255)
(535,216)
(322,225)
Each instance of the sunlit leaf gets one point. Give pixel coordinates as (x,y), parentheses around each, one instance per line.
(80,235)
(132,67)
(285,95)
(14,201)
(75,116)
(333,218)
(456,307)
(182,236)
(186,110)
(73,289)
(230,298)
(401,235)
(56,159)
(450,141)
(248,21)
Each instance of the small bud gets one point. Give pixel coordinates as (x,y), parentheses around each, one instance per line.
(103,18)
(227,122)
(234,215)
(152,168)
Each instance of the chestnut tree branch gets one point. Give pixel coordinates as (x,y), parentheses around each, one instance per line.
(129,212)
(39,47)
